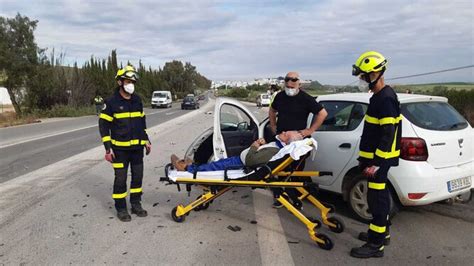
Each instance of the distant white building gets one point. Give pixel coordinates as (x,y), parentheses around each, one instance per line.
(4,97)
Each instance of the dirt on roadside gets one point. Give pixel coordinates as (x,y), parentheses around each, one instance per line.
(9,118)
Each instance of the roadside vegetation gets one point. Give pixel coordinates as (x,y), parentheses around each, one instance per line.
(40,85)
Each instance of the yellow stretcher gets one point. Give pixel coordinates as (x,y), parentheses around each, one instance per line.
(271,175)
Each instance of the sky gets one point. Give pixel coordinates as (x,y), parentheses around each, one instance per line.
(247,39)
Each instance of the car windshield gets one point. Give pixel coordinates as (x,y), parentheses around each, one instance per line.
(159,95)
(434,116)
(188,99)
(264,96)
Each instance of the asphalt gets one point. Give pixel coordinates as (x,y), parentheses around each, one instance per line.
(62,213)
(30,147)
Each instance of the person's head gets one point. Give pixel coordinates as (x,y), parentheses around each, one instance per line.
(289,136)
(370,67)
(126,79)
(274,88)
(292,83)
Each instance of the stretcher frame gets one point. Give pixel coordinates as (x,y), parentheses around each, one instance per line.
(275,178)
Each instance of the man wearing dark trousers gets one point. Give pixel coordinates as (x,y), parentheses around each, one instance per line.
(290,110)
(379,150)
(122,127)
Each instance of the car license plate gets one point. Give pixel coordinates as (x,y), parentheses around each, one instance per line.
(460,183)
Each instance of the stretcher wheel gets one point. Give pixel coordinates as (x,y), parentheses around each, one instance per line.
(178,219)
(339,225)
(203,206)
(298,204)
(328,245)
(330,206)
(316,221)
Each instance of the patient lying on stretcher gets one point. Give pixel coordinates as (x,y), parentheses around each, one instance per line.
(258,153)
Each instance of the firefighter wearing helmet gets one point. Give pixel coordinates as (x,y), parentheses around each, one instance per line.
(379,150)
(122,126)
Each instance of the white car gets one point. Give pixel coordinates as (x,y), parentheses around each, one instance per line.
(161,99)
(263,100)
(436,161)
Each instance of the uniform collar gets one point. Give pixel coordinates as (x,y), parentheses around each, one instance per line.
(279,143)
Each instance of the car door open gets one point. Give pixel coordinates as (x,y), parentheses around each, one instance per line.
(235,128)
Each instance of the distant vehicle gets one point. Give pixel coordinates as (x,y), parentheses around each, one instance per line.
(161,99)
(189,102)
(263,100)
(201,97)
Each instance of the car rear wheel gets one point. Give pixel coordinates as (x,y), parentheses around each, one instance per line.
(357,200)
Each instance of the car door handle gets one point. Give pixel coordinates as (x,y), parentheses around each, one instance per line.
(345,146)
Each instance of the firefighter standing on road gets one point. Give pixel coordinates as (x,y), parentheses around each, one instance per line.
(98,101)
(379,150)
(122,127)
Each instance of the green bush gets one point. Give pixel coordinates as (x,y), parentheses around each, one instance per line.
(238,93)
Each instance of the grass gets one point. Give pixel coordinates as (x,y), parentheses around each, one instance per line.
(9,118)
(426,88)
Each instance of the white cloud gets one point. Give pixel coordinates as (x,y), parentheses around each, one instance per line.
(246,39)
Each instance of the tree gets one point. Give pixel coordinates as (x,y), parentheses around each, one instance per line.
(18,55)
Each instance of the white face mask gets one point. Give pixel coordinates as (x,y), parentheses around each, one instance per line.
(129,88)
(363,85)
(291,91)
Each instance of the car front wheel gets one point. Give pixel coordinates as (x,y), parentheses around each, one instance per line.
(357,200)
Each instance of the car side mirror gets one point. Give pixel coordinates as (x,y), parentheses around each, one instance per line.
(242,126)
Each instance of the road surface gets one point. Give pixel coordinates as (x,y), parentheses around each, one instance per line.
(62,213)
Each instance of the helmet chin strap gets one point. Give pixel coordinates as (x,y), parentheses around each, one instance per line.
(372,83)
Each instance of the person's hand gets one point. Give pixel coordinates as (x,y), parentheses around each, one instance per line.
(148,147)
(306,132)
(273,129)
(256,144)
(261,141)
(109,156)
(370,171)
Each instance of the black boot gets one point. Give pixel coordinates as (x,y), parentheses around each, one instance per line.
(364,236)
(138,210)
(123,215)
(368,250)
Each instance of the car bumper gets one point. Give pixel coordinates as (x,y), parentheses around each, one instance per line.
(421,177)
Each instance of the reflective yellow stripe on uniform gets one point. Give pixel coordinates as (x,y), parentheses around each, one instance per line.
(106,117)
(117,165)
(129,114)
(119,196)
(383,121)
(378,186)
(136,190)
(371,119)
(368,155)
(106,138)
(378,229)
(390,120)
(387,155)
(128,143)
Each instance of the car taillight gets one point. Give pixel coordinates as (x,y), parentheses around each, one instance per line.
(413,149)
(416,196)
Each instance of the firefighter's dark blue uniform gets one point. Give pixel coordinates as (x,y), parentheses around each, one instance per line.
(122,127)
(380,146)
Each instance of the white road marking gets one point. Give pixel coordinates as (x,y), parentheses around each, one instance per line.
(274,249)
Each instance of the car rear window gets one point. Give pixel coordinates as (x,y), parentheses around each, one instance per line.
(434,116)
